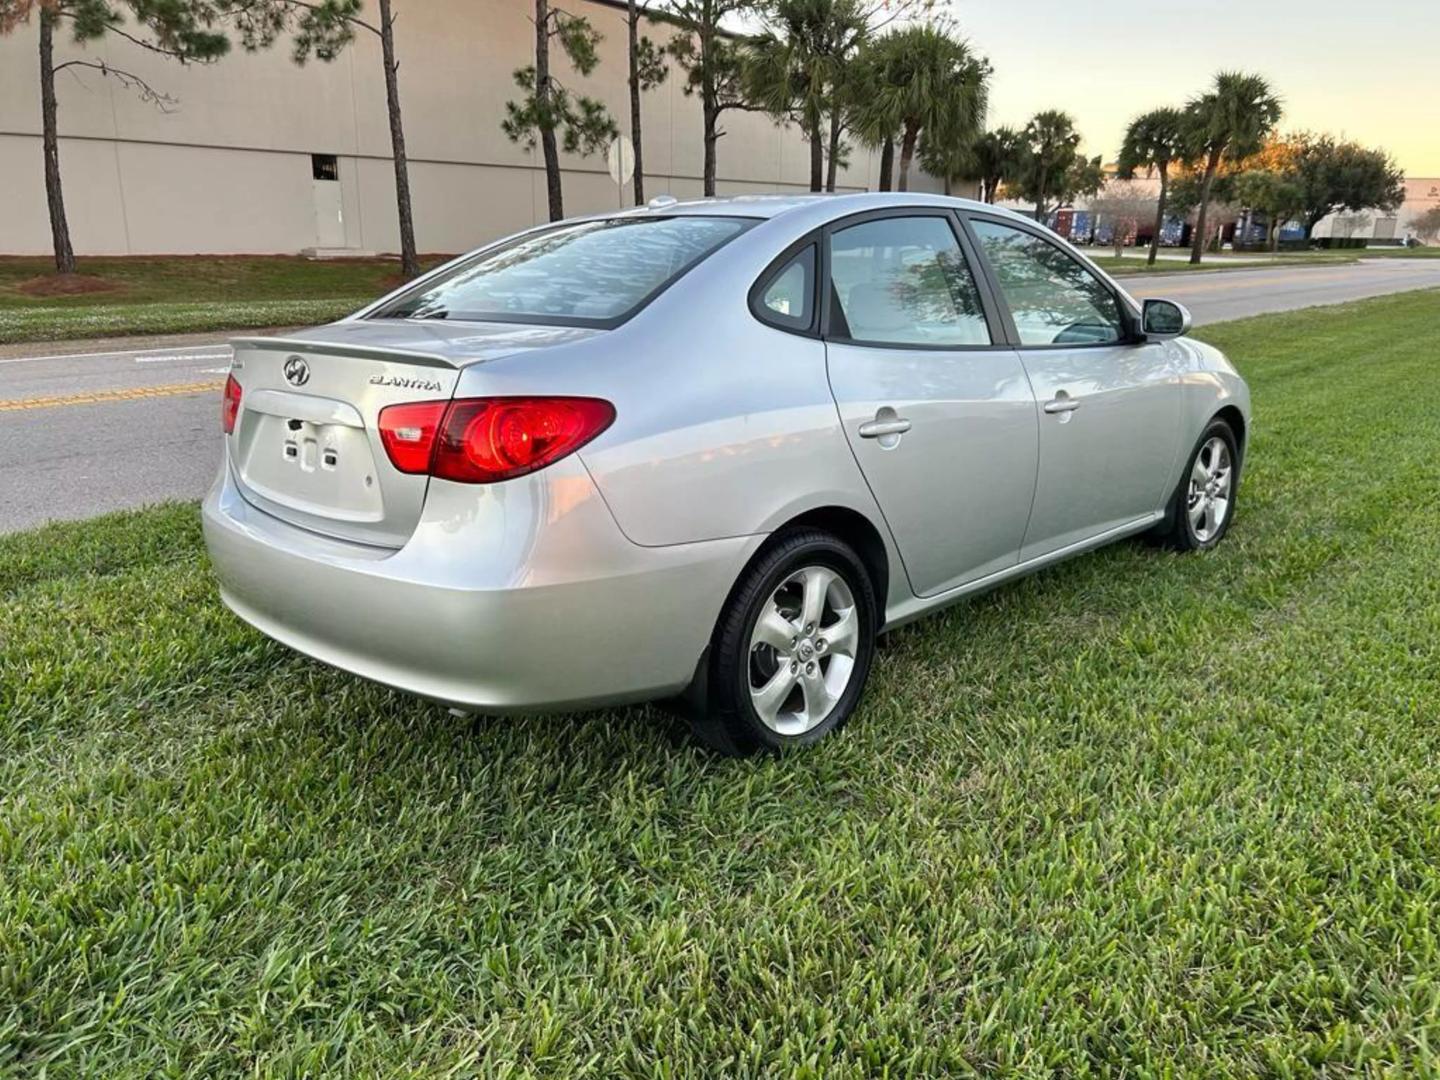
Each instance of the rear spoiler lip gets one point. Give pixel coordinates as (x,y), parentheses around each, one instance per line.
(329,348)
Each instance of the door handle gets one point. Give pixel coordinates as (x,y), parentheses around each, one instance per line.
(876,429)
(1063,403)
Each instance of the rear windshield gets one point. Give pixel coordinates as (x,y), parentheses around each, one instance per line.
(589,273)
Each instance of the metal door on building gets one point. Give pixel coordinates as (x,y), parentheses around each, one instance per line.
(329,207)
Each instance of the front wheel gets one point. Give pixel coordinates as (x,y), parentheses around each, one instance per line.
(1204,502)
(791,653)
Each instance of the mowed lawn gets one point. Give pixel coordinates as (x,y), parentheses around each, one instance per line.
(1140,815)
(173,294)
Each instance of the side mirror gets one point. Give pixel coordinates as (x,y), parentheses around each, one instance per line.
(1162,319)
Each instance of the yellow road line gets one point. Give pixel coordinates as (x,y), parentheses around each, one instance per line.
(97,397)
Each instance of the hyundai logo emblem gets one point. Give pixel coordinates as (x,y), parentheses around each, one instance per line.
(297,371)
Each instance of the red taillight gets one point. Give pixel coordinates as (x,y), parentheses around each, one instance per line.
(230,405)
(484,440)
(408,432)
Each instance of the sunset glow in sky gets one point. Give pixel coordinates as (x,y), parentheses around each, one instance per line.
(1369,72)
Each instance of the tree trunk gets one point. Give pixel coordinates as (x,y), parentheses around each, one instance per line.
(907,154)
(548,146)
(817,154)
(1197,243)
(709,112)
(1274,233)
(832,166)
(409,262)
(639,178)
(887,162)
(50,143)
(945,185)
(1159,218)
(712,136)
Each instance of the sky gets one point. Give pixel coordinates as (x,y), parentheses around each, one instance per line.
(1368,72)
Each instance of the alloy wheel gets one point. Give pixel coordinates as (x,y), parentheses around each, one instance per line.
(1211,485)
(802,650)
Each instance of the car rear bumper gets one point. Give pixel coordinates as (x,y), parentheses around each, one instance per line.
(513,597)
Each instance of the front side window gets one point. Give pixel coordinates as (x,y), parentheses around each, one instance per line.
(904,281)
(592,271)
(1053,298)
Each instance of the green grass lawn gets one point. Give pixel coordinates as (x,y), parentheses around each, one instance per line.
(1140,815)
(173,294)
(1133,262)
(1430,252)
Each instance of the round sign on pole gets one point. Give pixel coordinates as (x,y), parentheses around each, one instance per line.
(620,157)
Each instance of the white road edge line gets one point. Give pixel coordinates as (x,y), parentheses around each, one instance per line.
(182,356)
(118,352)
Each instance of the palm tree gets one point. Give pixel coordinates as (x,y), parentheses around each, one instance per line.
(874,120)
(1048,155)
(995,158)
(919,78)
(948,158)
(1152,142)
(1229,121)
(794,70)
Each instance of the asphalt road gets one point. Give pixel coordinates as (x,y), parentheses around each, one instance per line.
(1236,294)
(92,427)
(85,434)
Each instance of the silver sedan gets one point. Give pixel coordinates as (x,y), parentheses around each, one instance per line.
(707,451)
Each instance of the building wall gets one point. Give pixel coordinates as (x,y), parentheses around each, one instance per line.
(1421,194)
(227,168)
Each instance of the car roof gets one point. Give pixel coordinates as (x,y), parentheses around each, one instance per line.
(776,205)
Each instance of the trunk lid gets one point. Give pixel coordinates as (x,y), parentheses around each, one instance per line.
(306,446)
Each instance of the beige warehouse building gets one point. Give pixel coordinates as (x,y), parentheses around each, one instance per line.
(260,155)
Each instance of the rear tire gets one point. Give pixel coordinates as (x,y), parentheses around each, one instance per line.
(1203,505)
(792,649)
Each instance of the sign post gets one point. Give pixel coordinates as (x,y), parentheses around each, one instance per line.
(620,159)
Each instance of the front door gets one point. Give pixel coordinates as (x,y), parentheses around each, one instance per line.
(941,419)
(1109,407)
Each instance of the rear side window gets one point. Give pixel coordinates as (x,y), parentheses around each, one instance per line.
(588,273)
(904,281)
(787,298)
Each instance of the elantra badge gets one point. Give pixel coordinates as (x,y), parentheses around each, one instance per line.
(428,385)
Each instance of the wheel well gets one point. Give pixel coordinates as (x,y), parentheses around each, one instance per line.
(1232,416)
(848,525)
(856,530)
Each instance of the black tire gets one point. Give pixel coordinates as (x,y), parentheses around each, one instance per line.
(726,719)
(1177,530)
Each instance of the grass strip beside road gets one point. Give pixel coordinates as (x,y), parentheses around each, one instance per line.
(118,320)
(1134,263)
(1141,814)
(180,294)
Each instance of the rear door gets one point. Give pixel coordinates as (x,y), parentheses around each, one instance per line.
(936,408)
(1109,405)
